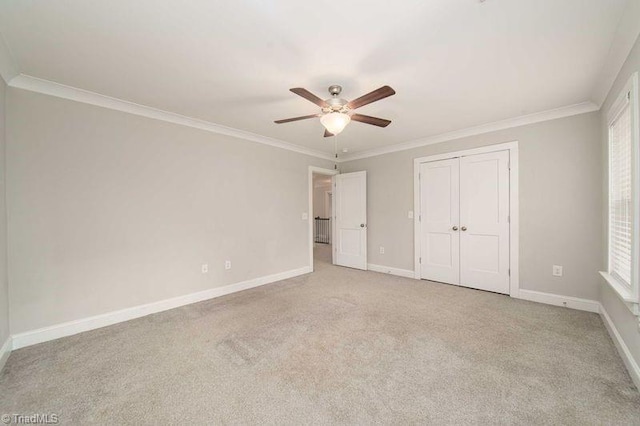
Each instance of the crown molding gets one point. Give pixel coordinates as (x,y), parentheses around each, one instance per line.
(624,39)
(8,67)
(34,84)
(568,111)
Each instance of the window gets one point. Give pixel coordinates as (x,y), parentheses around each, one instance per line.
(623,193)
(620,196)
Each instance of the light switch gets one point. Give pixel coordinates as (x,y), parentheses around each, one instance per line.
(410,214)
(305,216)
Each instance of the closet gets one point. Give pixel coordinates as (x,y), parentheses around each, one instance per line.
(464,221)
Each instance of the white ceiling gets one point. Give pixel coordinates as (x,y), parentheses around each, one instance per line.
(453,63)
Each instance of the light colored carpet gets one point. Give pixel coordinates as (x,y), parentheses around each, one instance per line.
(336,346)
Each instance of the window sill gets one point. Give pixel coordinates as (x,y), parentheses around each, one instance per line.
(622,292)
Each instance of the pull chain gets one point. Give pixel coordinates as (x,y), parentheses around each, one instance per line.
(335,150)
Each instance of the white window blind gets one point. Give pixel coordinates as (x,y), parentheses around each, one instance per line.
(620,195)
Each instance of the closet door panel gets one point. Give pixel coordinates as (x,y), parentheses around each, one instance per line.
(484,221)
(440,242)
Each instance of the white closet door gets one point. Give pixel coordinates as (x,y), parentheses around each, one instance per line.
(351,220)
(439,198)
(484,221)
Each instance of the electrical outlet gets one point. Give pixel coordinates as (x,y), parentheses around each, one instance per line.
(557,271)
(381,250)
(205,268)
(227,264)
(410,214)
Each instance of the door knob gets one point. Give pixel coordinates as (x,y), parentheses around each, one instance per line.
(464,228)
(362,225)
(455,228)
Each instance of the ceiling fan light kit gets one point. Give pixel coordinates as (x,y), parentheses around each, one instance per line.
(337,113)
(335,122)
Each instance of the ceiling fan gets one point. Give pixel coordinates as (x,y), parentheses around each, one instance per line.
(337,113)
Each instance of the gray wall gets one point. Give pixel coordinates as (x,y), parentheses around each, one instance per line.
(560,202)
(109,210)
(624,321)
(4,288)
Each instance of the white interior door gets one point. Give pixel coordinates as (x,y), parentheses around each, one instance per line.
(484,221)
(350,201)
(440,241)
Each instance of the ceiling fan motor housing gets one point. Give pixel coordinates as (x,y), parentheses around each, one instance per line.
(335,104)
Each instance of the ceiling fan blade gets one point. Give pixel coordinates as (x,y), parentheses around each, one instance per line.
(304,117)
(309,96)
(327,134)
(380,122)
(376,95)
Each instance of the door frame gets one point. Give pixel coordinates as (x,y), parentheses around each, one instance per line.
(514,223)
(319,171)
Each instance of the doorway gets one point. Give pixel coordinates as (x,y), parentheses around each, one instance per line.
(341,237)
(320,216)
(466,222)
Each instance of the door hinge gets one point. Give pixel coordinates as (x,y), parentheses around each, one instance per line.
(509,272)
(420,261)
(419,218)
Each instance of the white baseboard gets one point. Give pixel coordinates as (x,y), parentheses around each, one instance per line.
(5,351)
(623,349)
(389,270)
(57,331)
(558,300)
